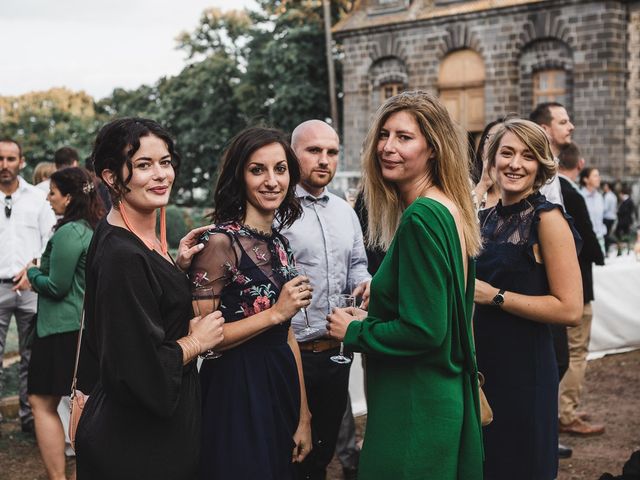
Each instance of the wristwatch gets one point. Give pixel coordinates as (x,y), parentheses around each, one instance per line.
(498,300)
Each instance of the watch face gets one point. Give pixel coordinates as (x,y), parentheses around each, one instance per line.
(498,299)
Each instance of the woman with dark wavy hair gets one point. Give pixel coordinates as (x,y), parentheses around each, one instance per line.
(142,418)
(59,282)
(256,422)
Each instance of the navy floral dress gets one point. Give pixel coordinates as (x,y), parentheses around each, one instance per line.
(251,394)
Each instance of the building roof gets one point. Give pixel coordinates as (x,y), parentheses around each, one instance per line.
(363,16)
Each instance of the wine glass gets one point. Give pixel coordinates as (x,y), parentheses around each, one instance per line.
(308,330)
(205,301)
(341,301)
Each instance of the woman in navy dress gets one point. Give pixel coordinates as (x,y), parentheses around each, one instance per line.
(527,279)
(256,422)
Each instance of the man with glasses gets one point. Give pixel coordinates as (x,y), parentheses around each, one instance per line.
(25,226)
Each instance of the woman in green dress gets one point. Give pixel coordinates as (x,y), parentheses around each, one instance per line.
(422,386)
(59,282)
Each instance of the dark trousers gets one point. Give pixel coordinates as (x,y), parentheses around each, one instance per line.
(327,386)
(608,240)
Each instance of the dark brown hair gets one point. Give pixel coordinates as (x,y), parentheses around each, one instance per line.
(116,144)
(230,196)
(85,203)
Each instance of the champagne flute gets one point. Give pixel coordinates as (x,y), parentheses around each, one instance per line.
(341,301)
(308,330)
(205,301)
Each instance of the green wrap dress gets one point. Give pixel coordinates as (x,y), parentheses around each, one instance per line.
(424,416)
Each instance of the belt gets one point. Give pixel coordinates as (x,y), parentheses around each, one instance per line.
(6,280)
(319,345)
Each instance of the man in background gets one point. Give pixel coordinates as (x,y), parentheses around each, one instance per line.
(25,226)
(571,385)
(329,249)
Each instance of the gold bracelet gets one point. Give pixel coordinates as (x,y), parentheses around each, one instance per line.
(190,346)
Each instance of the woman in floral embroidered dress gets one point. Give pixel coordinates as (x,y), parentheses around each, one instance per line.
(256,422)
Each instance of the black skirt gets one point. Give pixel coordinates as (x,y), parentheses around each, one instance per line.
(51,364)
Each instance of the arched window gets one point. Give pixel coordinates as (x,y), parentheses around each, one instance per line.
(549,86)
(388,78)
(390,89)
(461,84)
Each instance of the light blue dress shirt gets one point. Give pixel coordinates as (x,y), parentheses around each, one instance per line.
(595,206)
(327,244)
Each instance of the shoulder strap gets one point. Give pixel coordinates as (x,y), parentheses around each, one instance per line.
(75,368)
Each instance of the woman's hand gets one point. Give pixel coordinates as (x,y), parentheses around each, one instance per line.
(21,281)
(484,293)
(339,320)
(207,330)
(363,290)
(302,440)
(294,295)
(189,246)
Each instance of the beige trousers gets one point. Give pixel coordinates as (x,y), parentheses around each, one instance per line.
(571,384)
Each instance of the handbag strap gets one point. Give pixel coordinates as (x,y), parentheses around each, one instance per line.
(75,368)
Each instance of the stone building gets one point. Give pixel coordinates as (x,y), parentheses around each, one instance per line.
(487,58)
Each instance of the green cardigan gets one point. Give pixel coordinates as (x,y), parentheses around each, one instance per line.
(422,390)
(60,279)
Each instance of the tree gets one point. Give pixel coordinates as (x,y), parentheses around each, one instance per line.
(44,121)
(199,107)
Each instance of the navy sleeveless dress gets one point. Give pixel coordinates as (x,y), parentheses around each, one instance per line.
(516,355)
(251,394)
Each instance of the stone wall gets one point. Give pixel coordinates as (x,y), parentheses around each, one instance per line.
(596,42)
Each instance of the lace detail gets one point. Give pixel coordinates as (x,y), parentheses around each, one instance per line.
(510,224)
(256,231)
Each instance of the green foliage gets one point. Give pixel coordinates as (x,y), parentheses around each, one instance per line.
(176,225)
(244,68)
(199,107)
(44,121)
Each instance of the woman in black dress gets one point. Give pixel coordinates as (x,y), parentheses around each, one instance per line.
(255,416)
(527,279)
(142,418)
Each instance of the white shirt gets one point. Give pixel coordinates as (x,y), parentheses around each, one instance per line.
(610,206)
(552,191)
(327,243)
(595,206)
(44,185)
(25,233)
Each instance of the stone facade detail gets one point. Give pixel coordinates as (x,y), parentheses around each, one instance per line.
(596,44)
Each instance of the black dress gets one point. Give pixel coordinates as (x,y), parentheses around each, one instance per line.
(251,394)
(516,355)
(142,419)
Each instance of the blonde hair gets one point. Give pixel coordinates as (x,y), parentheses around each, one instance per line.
(535,139)
(43,171)
(448,169)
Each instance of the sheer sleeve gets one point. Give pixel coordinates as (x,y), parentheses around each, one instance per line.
(138,364)
(424,277)
(216,264)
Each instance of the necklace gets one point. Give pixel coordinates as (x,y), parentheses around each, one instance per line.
(163,230)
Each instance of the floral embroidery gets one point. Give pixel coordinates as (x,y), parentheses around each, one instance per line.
(262,297)
(200,279)
(282,254)
(260,255)
(231,227)
(236,275)
(260,304)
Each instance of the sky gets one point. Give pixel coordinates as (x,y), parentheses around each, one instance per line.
(94,45)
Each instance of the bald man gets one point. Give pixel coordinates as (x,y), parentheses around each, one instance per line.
(328,247)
